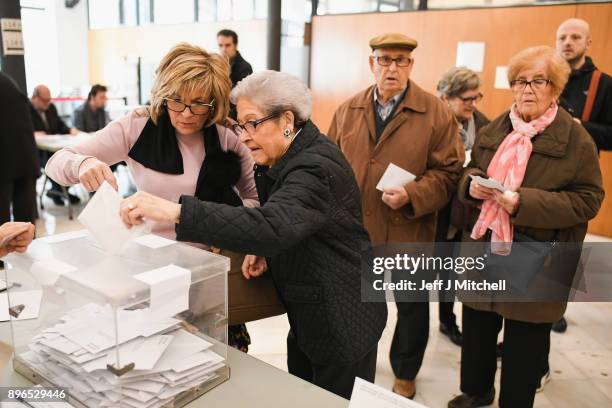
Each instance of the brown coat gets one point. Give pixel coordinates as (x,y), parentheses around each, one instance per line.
(562,190)
(422,138)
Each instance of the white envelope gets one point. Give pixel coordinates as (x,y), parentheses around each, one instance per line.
(489,182)
(101,217)
(394,177)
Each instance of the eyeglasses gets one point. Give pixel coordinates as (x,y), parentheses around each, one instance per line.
(198,108)
(471,99)
(521,84)
(251,125)
(386,61)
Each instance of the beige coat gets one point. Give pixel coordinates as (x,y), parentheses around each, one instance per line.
(562,190)
(422,138)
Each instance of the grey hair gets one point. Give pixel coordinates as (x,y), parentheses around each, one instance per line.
(456,81)
(274,91)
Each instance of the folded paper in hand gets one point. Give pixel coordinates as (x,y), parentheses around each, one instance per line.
(101,217)
(394,177)
(489,183)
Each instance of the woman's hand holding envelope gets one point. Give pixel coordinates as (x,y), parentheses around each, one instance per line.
(135,209)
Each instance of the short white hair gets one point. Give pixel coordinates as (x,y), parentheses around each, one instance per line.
(274,91)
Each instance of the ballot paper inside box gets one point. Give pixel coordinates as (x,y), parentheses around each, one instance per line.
(146,327)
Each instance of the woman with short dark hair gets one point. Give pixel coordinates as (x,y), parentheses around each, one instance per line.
(308,233)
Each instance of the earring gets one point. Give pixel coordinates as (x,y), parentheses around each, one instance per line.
(287,132)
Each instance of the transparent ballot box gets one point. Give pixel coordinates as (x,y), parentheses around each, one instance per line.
(146,327)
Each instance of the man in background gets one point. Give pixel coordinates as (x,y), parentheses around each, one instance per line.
(239,67)
(47,121)
(92,115)
(588,93)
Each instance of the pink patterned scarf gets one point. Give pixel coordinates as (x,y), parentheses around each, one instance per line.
(508,167)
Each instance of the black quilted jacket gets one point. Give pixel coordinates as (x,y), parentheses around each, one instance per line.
(309,227)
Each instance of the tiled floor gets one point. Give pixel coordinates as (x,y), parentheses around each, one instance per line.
(581,359)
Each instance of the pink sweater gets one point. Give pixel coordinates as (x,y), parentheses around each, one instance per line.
(113,143)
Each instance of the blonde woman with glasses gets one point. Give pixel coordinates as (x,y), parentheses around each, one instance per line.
(176,146)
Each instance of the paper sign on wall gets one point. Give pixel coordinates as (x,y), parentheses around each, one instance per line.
(501,78)
(12,37)
(471,55)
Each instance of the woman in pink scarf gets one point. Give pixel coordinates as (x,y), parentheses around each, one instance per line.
(548,166)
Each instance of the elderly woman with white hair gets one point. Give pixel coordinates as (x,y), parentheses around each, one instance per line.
(308,232)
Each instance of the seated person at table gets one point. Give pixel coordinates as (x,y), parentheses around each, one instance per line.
(46,121)
(92,115)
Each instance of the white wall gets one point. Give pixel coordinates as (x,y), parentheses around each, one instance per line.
(56,45)
(72,29)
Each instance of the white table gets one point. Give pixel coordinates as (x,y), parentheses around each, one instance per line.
(51,144)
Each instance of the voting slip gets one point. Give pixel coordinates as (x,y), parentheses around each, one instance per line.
(368,395)
(101,217)
(394,177)
(489,183)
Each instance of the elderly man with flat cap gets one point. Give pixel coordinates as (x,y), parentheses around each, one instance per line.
(395,121)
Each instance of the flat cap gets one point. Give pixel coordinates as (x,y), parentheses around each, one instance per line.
(393,40)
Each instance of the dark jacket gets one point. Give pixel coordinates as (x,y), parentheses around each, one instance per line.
(480,120)
(310,228)
(18,156)
(90,121)
(240,69)
(574,97)
(422,138)
(56,126)
(455,213)
(562,190)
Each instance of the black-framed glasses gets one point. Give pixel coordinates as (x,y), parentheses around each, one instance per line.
(471,99)
(251,125)
(197,108)
(386,61)
(521,84)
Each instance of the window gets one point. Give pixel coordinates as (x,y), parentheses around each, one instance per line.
(104,14)
(207,10)
(261,8)
(173,11)
(243,10)
(129,12)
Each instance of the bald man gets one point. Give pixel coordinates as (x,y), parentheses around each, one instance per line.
(573,42)
(47,121)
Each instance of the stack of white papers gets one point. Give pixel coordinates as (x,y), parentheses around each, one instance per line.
(167,359)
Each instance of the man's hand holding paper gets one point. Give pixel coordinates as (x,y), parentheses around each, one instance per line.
(392,185)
